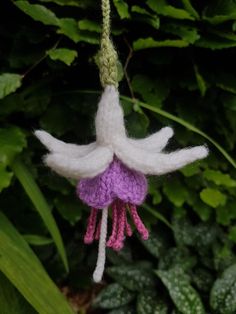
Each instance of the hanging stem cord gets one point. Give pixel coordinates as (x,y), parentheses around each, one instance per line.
(108,54)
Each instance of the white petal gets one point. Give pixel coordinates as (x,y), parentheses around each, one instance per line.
(155,142)
(85,167)
(109,120)
(157,163)
(56,146)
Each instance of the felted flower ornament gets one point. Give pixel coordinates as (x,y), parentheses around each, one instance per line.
(111,172)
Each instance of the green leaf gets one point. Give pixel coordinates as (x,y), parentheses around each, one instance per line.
(176,192)
(190,170)
(21,266)
(220,11)
(12,142)
(148,303)
(37,240)
(219,178)
(145,43)
(214,42)
(200,81)
(122,9)
(154,244)
(9,82)
(222,298)
(114,295)
(213,197)
(161,7)
(184,296)
(123,310)
(38,12)
(5,177)
(146,17)
(63,54)
(188,33)
(153,91)
(69,27)
(188,7)
(89,25)
(37,198)
(134,278)
(69,208)
(232,234)
(10,299)
(74,3)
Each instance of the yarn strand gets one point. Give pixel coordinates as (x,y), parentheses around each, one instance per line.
(108,55)
(97,275)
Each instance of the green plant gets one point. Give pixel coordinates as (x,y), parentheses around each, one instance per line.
(177,67)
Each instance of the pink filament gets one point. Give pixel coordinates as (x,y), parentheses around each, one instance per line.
(128,229)
(119,242)
(114,225)
(89,235)
(138,222)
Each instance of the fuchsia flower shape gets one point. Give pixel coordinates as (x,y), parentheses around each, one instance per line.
(111,171)
(122,188)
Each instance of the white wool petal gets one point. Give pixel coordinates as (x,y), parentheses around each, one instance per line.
(157,163)
(155,142)
(56,146)
(84,167)
(109,120)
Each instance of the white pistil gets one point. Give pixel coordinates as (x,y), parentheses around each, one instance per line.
(98,273)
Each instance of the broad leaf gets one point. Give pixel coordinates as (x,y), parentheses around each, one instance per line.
(63,54)
(162,7)
(38,12)
(213,197)
(114,295)
(219,178)
(132,277)
(176,192)
(24,270)
(122,8)
(223,292)
(5,177)
(181,292)
(36,240)
(9,82)
(12,142)
(148,303)
(145,43)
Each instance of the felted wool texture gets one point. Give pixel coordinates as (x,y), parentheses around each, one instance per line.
(142,155)
(116,182)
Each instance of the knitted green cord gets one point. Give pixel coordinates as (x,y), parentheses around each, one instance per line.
(108,55)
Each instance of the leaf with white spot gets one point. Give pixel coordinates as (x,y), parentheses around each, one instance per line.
(114,295)
(134,278)
(184,296)
(149,303)
(223,293)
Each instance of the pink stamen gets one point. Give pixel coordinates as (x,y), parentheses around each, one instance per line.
(138,222)
(89,235)
(128,229)
(118,244)
(98,229)
(114,226)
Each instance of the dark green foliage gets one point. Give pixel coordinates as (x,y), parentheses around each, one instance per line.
(180,63)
